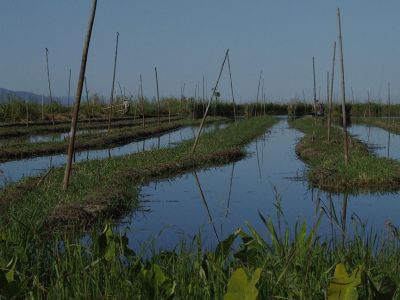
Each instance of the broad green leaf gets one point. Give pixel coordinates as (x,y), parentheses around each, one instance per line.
(343,286)
(240,288)
(223,247)
(11,269)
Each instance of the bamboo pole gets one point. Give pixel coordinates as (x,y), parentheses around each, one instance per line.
(78,96)
(203,99)
(258,91)
(42,109)
(112,87)
(27,113)
(142,101)
(331,91)
(233,96)
(389,112)
(69,87)
(315,100)
(48,80)
(87,99)
(343,91)
(209,102)
(158,98)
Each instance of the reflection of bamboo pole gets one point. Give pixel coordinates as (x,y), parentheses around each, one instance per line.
(345,137)
(209,102)
(112,86)
(344,217)
(78,96)
(230,190)
(206,205)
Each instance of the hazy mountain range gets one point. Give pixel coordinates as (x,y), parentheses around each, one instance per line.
(4,93)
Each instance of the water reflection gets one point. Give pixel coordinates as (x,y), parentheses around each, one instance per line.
(267,182)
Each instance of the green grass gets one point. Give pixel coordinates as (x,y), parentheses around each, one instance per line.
(326,160)
(108,186)
(37,265)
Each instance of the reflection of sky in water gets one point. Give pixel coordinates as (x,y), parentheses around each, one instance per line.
(174,209)
(382,142)
(15,170)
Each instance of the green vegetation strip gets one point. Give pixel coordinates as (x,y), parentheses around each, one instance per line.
(100,140)
(327,168)
(14,132)
(109,186)
(392,125)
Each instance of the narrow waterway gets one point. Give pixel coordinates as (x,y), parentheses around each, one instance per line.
(12,171)
(270,181)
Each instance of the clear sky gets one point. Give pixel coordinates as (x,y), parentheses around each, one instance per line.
(186,39)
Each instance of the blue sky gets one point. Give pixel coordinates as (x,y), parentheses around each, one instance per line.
(186,39)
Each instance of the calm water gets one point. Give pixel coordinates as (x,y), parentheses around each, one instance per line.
(235,194)
(15,170)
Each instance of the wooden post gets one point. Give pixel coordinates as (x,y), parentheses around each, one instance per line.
(343,91)
(258,91)
(112,87)
(27,113)
(42,109)
(209,102)
(69,87)
(315,100)
(331,91)
(142,100)
(388,112)
(48,80)
(233,96)
(87,99)
(78,96)
(158,98)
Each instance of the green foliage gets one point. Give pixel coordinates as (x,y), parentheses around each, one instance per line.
(242,288)
(344,286)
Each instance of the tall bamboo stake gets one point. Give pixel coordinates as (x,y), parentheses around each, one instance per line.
(87,99)
(142,100)
(389,99)
(48,80)
(42,109)
(209,102)
(343,91)
(158,98)
(258,91)
(233,96)
(78,96)
(203,100)
(69,87)
(331,91)
(112,87)
(315,99)
(27,113)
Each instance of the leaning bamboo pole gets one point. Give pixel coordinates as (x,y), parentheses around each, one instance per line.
(78,96)
(209,103)
(69,88)
(112,87)
(331,91)
(343,92)
(87,100)
(233,96)
(315,100)
(258,92)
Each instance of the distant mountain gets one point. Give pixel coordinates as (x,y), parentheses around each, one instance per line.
(4,93)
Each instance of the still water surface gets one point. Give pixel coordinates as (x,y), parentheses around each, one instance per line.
(234,194)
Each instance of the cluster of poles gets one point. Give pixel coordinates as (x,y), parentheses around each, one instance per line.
(330,80)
